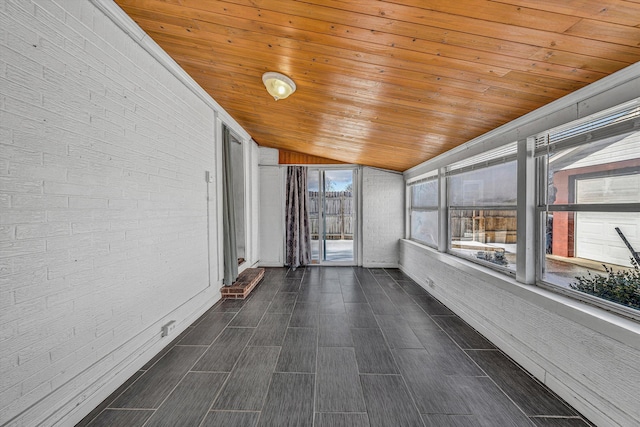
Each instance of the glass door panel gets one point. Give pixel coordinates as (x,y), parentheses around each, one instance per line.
(313,186)
(332,215)
(338,215)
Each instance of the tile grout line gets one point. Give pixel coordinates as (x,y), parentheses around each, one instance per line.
(404,381)
(210,311)
(224,383)
(264,398)
(315,377)
(236,362)
(465,351)
(144,371)
(520,368)
(471,359)
(171,346)
(357,365)
(391,352)
(359,276)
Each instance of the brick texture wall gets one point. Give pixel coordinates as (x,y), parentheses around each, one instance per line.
(103,205)
(382,217)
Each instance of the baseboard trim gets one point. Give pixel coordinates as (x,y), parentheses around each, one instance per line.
(270,264)
(109,382)
(380,265)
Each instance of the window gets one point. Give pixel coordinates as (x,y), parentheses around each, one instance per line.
(586,221)
(589,206)
(423,215)
(482,193)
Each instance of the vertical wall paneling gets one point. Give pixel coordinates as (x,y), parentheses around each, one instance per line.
(271,225)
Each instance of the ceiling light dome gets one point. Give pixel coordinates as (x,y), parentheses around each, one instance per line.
(278,85)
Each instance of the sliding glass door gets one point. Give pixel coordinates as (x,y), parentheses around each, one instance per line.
(332,203)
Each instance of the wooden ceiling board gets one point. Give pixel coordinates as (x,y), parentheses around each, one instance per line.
(449,78)
(407,65)
(619,12)
(363,15)
(291,158)
(485,106)
(408,47)
(371,123)
(390,83)
(367,123)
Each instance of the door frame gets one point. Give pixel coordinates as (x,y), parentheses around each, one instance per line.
(357,215)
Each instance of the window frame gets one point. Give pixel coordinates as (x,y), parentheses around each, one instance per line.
(506,153)
(532,199)
(593,133)
(431,177)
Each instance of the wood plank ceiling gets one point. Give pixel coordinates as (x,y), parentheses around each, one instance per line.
(390,83)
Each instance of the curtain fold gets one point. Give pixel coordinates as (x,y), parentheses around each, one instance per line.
(297,223)
(228,213)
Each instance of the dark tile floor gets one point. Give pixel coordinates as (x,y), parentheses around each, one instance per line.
(332,346)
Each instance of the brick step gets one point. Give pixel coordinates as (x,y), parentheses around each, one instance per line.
(244,284)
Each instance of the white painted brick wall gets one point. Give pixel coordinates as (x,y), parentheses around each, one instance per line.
(103,205)
(594,370)
(382,217)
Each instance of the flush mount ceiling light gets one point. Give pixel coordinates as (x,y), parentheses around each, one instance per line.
(278,85)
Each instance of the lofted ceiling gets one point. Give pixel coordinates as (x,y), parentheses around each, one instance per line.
(390,83)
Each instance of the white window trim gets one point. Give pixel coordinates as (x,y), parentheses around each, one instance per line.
(431,176)
(531,201)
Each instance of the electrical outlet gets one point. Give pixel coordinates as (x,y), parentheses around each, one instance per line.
(168,328)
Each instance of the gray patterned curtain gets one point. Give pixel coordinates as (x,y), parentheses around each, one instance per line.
(228,213)
(298,229)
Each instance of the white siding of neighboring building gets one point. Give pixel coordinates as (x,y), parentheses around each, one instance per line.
(625,149)
(595,235)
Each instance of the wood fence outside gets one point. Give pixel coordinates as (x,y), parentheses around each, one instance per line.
(338,214)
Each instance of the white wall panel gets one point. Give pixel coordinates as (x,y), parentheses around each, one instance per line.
(271,216)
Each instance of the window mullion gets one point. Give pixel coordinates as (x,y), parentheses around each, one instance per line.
(526,213)
(443,214)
